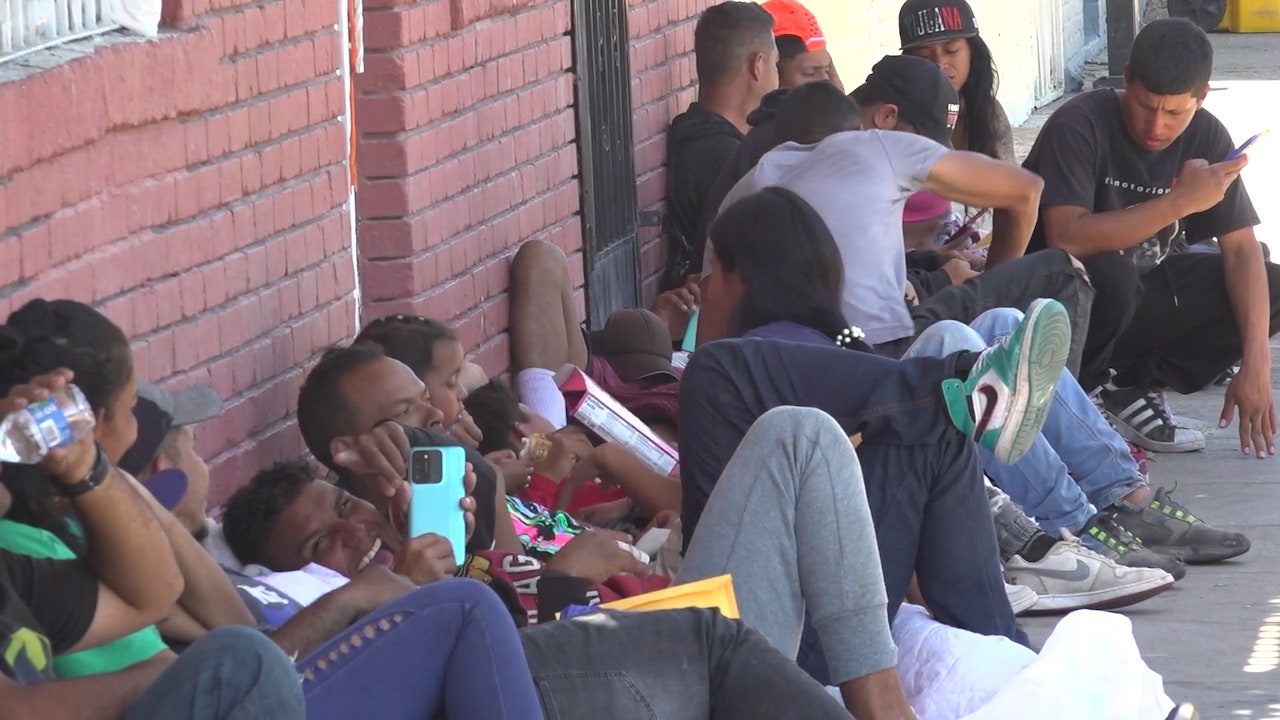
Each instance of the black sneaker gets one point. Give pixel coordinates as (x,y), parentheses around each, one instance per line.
(1142,417)
(1166,527)
(1104,536)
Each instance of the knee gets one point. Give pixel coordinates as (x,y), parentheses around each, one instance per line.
(944,338)
(800,422)
(538,260)
(997,322)
(1114,279)
(244,659)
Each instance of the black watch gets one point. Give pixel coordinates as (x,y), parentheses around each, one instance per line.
(95,477)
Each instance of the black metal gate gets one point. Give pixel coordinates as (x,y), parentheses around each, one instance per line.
(606,157)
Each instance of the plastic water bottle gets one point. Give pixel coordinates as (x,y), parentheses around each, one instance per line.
(27,435)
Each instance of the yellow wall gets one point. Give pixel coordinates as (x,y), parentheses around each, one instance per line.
(859,32)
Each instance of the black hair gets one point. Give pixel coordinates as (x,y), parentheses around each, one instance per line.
(40,337)
(323,411)
(978,98)
(411,339)
(789,47)
(726,36)
(1171,56)
(811,112)
(787,259)
(494,409)
(252,513)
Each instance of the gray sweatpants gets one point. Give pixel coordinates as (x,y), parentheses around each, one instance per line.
(789,521)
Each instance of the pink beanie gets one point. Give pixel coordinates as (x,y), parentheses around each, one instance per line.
(924,206)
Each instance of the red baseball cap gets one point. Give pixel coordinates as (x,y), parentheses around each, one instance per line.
(792,18)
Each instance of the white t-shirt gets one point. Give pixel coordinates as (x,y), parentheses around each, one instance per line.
(858,182)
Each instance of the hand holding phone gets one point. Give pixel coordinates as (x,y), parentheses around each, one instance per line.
(1244,147)
(437,477)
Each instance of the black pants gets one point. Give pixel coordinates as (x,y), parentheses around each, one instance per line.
(922,477)
(1170,327)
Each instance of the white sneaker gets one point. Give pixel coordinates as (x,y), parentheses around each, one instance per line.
(1073,577)
(1021,597)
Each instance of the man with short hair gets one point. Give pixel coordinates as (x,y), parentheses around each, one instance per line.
(802,47)
(737,63)
(1128,174)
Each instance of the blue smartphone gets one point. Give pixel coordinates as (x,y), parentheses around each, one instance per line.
(690,342)
(1244,147)
(436,478)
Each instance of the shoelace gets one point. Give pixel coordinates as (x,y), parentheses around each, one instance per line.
(1156,399)
(1082,549)
(1172,508)
(1120,533)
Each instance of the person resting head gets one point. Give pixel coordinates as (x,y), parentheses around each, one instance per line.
(508,424)
(359,413)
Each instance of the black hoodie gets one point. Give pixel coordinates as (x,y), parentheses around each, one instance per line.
(759,140)
(699,142)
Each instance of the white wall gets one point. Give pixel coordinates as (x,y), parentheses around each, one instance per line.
(859,33)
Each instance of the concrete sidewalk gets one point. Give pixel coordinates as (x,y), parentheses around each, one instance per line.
(1216,636)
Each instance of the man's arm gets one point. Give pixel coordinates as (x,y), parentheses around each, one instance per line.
(1250,390)
(980,181)
(96,697)
(337,610)
(1083,233)
(208,597)
(650,492)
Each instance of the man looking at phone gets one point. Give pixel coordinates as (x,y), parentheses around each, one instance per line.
(1128,174)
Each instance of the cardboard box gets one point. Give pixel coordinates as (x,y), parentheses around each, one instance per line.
(602,414)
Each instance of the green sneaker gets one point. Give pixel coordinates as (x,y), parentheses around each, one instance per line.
(1003,403)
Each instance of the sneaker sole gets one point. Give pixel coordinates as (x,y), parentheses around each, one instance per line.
(1028,602)
(1109,599)
(1045,343)
(1147,443)
(1200,554)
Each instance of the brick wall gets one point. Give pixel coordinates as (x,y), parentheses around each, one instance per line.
(466,123)
(192,188)
(467,149)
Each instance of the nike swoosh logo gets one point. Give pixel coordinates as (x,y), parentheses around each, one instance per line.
(988,410)
(1080,572)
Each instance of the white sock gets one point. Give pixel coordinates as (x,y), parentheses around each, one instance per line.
(537,388)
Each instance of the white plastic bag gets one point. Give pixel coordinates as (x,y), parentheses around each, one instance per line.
(139,16)
(1066,681)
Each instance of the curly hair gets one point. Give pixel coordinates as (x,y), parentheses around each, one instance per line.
(251,514)
(38,338)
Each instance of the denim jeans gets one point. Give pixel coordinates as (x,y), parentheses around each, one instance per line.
(1078,464)
(449,647)
(670,665)
(1015,284)
(923,483)
(789,521)
(233,673)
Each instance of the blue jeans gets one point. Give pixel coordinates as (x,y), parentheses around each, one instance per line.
(673,664)
(233,673)
(1078,464)
(923,482)
(448,647)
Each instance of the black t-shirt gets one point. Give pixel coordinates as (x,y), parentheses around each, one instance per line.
(46,607)
(1087,159)
(699,143)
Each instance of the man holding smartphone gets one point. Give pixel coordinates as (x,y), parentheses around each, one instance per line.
(1129,175)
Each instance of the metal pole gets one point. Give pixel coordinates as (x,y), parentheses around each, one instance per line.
(1122,28)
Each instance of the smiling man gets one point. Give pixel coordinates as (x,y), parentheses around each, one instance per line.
(1128,176)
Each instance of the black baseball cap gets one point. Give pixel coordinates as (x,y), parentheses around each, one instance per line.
(924,95)
(921,22)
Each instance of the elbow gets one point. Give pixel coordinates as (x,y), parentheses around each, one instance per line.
(1032,186)
(164,596)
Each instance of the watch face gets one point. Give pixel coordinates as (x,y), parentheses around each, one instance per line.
(1152,251)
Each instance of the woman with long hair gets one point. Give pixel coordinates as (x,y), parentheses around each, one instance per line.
(945,33)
